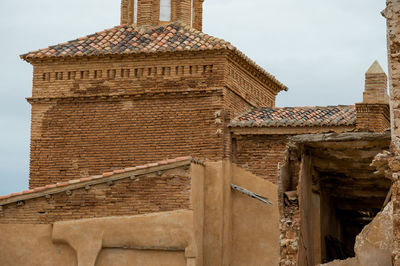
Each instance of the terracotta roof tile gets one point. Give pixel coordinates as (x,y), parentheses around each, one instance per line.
(96,177)
(129,39)
(297,117)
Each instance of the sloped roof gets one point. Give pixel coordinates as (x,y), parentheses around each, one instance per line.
(297,117)
(130,39)
(97,179)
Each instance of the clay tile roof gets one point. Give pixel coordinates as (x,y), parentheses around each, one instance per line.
(105,177)
(297,117)
(130,39)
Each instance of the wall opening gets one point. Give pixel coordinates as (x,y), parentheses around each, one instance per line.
(165,10)
(135,11)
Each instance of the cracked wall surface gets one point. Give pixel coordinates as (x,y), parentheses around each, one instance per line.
(392,15)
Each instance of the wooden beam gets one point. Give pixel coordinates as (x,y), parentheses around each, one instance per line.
(349,154)
(334,137)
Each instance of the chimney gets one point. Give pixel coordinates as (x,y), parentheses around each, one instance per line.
(162,12)
(373,113)
(375,85)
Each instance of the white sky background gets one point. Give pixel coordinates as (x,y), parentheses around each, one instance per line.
(319,48)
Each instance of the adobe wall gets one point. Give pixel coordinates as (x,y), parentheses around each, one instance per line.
(238,229)
(255,225)
(32,245)
(231,229)
(148,194)
(158,239)
(128,257)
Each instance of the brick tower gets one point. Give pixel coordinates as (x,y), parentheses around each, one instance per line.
(153,12)
(373,112)
(139,92)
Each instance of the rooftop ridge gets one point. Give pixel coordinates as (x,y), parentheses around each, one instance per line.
(97,179)
(132,39)
(316,116)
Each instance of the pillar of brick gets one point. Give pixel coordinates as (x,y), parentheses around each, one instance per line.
(145,12)
(127,11)
(373,113)
(189,12)
(197,20)
(124,12)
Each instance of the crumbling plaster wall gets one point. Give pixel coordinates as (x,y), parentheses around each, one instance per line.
(392,14)
(224,227)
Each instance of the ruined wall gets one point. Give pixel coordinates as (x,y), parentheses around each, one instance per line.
(148,194)
(392,14)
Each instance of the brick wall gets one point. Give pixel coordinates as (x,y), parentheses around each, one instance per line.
(98,114)
(148,194)
(148,12)
(373,117)
(81,137)
(260,154)
(120,75)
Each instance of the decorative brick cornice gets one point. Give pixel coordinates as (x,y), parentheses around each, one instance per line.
(175,38)
(108,97)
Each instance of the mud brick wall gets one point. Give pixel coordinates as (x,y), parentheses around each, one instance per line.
(148,194)
(373,117)
(260,154)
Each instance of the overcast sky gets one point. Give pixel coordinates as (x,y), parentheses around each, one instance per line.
(319,48)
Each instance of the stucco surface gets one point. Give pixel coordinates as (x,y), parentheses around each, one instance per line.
(23,245)
(161,231)
(131,257)
(255,225)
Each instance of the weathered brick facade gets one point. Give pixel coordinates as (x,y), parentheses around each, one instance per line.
(167,190)
(152,90)
(373,113)
(373,117)
(260,154)
(148,12)
(100,114)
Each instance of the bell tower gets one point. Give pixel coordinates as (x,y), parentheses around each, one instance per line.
(160,12)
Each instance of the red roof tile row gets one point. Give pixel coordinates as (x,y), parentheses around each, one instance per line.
(129,39)
(297,117)
(96,177)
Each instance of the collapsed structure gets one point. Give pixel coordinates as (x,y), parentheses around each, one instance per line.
(199,166)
